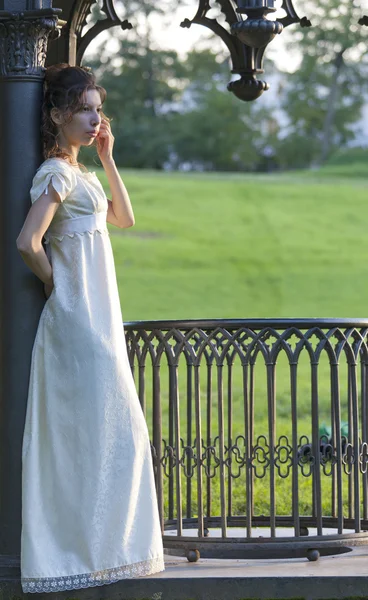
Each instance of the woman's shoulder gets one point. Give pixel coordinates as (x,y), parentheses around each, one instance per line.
(59,167)
(63,176)
(56,161)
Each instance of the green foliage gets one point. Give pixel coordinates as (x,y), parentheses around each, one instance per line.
(137,90)
(349,157)
(296,150)
(323,98)
(226,143)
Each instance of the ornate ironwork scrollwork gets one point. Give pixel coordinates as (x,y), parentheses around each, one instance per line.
(79,21)
(348,458)
(258,451)
(363,457)
(260,459)
(283,457)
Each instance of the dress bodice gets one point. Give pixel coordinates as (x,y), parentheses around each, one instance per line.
(82,196)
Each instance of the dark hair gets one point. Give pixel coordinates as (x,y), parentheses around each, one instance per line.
(64,86)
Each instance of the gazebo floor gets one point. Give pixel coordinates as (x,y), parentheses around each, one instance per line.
(331,577)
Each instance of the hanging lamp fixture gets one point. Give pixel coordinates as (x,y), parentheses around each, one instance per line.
(250,33)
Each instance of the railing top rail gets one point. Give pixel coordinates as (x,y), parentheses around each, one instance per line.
(300,323)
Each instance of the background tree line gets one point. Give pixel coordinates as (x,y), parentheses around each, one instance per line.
(176,113)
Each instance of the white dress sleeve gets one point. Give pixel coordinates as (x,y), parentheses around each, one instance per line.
(62,176)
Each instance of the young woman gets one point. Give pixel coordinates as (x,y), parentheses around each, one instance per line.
(90,515)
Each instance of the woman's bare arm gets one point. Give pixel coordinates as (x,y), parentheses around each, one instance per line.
(120,211)
(29,240)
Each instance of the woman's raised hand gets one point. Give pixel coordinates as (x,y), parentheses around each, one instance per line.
(105,141)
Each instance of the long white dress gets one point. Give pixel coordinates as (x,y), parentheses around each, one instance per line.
(89,514)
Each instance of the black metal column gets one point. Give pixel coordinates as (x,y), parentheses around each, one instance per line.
(24,37)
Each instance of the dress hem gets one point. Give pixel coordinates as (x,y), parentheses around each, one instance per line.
(85,580)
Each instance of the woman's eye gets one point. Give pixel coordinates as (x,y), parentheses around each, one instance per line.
(87,108)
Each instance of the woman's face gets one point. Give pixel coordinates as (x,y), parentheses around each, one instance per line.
(87,119)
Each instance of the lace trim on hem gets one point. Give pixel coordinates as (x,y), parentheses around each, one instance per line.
(74,582)
(60,237)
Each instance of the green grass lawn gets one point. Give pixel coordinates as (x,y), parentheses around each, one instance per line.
(244,246)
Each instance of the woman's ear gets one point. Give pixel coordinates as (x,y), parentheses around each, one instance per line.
(55,116)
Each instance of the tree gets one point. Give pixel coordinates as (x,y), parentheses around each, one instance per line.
(214,130)
(140,93)
(325,95)
(141,81)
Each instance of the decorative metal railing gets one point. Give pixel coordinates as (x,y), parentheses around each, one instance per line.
(258,425)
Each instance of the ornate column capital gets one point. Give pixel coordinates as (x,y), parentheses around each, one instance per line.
(23,42)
